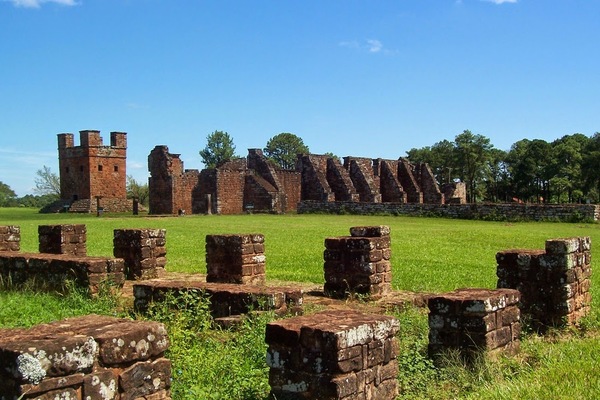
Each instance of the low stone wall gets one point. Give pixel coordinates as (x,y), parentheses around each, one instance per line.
(52,270)
(63,239)
(333,355)
(473,321)
(10,238)
(236,258)
(144,251)
(359,263)
(554,283)
(226,299)
(529,212)
(85,358)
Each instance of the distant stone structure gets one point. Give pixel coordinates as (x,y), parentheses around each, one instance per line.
(92,175)
(253,184)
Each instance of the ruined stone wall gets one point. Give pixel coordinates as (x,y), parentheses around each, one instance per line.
(492,211)
(389,185)
(340,182)
(10,238)
(363,178)
(87,358)
(236,259)
(334,355)
(92,169)
(455,193)
(429,187)
(292,182)
(409,182)
(314,178)
(230,182)
(143,250)
(63,239)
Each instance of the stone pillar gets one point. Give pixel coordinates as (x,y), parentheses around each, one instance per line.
(554,284)
(473,321)
(143,250)
(236,258)
(63,239)
(10,238)
(334,355)
(358,264)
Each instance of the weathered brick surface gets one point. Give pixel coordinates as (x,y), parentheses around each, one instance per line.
(225,299)
(143,250)
(474,320)
(54,269)
(333,355)
(67,360)
(63,239)
(236,258)
(10,238)
(358,264)
(554,283)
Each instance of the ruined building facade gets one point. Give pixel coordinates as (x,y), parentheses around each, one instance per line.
(251,184)
(254,184)
(92,174)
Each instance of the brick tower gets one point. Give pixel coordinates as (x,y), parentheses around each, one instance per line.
(92,173)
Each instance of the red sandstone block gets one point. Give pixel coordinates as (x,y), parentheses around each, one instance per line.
(335,243)
(484,323)
(101,385)
(155,376)
(67,393)
(508,316)
(46,385)
(370,231)
(562,246)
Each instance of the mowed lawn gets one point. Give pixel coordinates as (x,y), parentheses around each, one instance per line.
(428,254)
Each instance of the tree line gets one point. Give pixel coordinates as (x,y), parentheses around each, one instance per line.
(566,170)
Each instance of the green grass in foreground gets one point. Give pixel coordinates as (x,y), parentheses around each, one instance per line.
(428,255)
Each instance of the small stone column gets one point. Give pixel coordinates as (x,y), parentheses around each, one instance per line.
(10,238)
(63,239)
(333,355)
(236,259)
(359,263)
(143,250)
(473,321)
(554,283)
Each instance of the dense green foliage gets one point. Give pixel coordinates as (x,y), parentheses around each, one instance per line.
(431,255)
(284,148)
(561,171)
(218,150)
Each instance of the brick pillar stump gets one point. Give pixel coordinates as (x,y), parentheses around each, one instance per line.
(474,321)
(554,283)
(333,355)
(359,263)
(63,239)
(10,238)
(236,259)
(144,251)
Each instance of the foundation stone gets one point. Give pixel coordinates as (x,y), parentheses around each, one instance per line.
(236,258)
(10,238)
(63,239)
(144,251)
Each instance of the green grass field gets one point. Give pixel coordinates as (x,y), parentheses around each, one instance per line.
(428,254)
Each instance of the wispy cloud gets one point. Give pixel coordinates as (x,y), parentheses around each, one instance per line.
(369,45)
(501,1)
(39,3)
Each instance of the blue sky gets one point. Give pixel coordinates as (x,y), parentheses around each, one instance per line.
(363,78)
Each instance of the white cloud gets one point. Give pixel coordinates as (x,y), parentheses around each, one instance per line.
(369,45)
(501,1)
(38,3)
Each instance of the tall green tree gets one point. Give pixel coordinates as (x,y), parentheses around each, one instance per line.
(530,167)
(590,167)
(284,148)
(568,154)
(219,149)
(47,182)
(137,190)
(473,153)
(441,158)
(8,197)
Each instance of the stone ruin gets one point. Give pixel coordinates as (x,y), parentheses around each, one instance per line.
(554,283)
(63,239)
(255,184)
(143,251)
(92,175)
(10,238)
(236,259)
(333,355)
(92,357)
(359,264)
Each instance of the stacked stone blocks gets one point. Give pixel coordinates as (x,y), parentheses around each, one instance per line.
(63,239)
(144,251)
(236,259)
(359,263)
(85,358)
(474,321)
(554,283)
(333,355)
(10,238)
